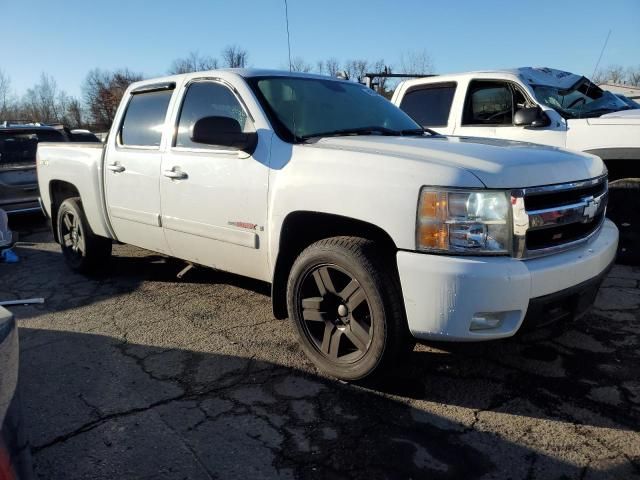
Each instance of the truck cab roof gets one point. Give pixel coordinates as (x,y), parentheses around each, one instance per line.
(241,72)
(529,75)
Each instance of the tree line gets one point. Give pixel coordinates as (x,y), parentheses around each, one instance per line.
(102,90)
(618,74)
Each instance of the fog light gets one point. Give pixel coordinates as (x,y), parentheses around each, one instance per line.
(485,321)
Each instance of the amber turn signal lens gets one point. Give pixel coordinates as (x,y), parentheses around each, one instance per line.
(429,200)
(433,205)
(433,235)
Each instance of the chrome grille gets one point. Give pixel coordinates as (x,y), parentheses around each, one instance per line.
(557,217)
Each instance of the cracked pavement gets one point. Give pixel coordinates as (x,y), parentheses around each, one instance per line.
(136,374)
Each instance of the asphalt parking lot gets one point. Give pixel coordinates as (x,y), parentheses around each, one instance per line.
(136,374)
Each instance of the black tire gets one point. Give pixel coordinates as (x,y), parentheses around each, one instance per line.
(83,251)
(623,211)
(344,297)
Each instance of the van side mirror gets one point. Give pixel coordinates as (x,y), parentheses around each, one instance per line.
(531,117)
(224,132)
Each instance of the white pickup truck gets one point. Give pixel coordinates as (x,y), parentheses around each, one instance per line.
(371,231)
(539,105)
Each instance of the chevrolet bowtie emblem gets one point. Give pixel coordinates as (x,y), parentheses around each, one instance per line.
(590,209)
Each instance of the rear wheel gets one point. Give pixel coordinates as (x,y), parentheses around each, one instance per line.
(83,251)
(345,302)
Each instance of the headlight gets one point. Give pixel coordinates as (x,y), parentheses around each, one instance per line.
(463,221)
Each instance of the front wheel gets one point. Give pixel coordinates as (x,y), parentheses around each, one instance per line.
(345,301)
(83,251)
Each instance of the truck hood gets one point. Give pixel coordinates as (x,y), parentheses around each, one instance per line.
(623,117)
(496,163)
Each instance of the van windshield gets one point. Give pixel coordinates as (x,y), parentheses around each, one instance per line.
(302,108)
(582,100)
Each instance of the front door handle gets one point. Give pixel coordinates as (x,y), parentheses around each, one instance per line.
(116,167)
(175,174)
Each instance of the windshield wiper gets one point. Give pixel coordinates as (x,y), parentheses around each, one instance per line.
(417,131)
(370,131)
(354,131)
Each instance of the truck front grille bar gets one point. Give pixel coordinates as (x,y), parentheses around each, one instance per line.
(555,218)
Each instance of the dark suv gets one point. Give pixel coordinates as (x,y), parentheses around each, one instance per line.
(18,181)
(18,145)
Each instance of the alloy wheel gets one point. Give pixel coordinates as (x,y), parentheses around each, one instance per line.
(72,234)
(336,314)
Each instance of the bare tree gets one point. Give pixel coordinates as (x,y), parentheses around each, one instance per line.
(616,73)
(330,67)
(633,76)
(356,69)
(380,67)
(416,62)
(299,65)
(598,77)
(194,62)
(234,56)
(103,91)
(62,102)
(612,74)
(44,102)
(74,114)
(5,95)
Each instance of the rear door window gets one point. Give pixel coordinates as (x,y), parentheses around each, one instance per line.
(430,105)
(144,119)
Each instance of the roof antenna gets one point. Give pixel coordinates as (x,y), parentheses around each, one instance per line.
(601,53)
(594,72)
(286,16)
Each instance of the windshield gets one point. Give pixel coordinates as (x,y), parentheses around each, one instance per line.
(583,100)
(301,108)
(632,103)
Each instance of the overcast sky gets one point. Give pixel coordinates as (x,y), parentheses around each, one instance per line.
(67,38)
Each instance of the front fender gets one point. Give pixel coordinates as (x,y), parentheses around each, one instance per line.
(378,190)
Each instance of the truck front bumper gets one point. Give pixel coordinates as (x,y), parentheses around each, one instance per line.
(456,298)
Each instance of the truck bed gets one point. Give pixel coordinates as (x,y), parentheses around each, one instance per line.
(80,165)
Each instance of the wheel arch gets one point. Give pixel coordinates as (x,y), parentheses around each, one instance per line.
(59,191)
(302,228)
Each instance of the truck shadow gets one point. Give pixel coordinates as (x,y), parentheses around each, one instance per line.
(623,211)
(571,380)
(101,407)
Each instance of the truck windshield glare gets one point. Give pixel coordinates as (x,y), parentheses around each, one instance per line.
(583,100)
(307,107)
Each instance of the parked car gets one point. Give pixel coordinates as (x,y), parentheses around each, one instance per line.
(15,456)
(18,183)
(539,105)
(371,232)
(18,144)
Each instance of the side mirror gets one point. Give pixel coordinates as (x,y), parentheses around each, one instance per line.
(225,132)
(531,117)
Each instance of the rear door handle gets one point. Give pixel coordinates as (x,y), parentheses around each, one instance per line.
(175,174)
(116,167)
